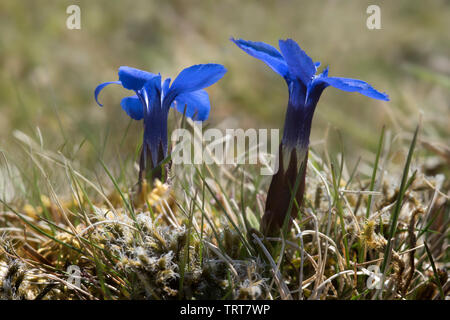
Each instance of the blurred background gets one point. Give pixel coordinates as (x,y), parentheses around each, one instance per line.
(49,73)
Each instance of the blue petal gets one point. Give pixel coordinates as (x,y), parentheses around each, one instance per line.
(196,103)
(133,107)
(299,63)
(314,92)
(316,65)
(155,120)
(354,85)
(315,88)
(151,92)
(197,77)
(134,79)
(165,86)
(265,52)
(297,94)
(100,88)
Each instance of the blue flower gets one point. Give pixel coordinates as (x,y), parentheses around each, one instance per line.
(305,88)
(153,99)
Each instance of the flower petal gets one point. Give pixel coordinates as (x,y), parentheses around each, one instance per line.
(151,93)
(100,88)
(133,107)
(134,79)
(299,63)
(265,52)
(196,103)
(155,120)
(354,85)
(165,86)
(315,89)
(197,77)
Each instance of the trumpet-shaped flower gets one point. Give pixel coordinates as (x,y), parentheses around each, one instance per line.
(153,99)
(305,88)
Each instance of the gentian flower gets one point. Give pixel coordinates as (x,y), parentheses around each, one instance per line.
(305,88)
(153,99)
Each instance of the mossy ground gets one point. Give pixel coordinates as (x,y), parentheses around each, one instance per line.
(196,236)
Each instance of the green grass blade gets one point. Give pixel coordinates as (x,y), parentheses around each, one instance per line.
(399,202)
(374,172)
(436,275)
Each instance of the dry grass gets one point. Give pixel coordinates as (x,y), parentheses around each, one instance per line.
(196,238)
